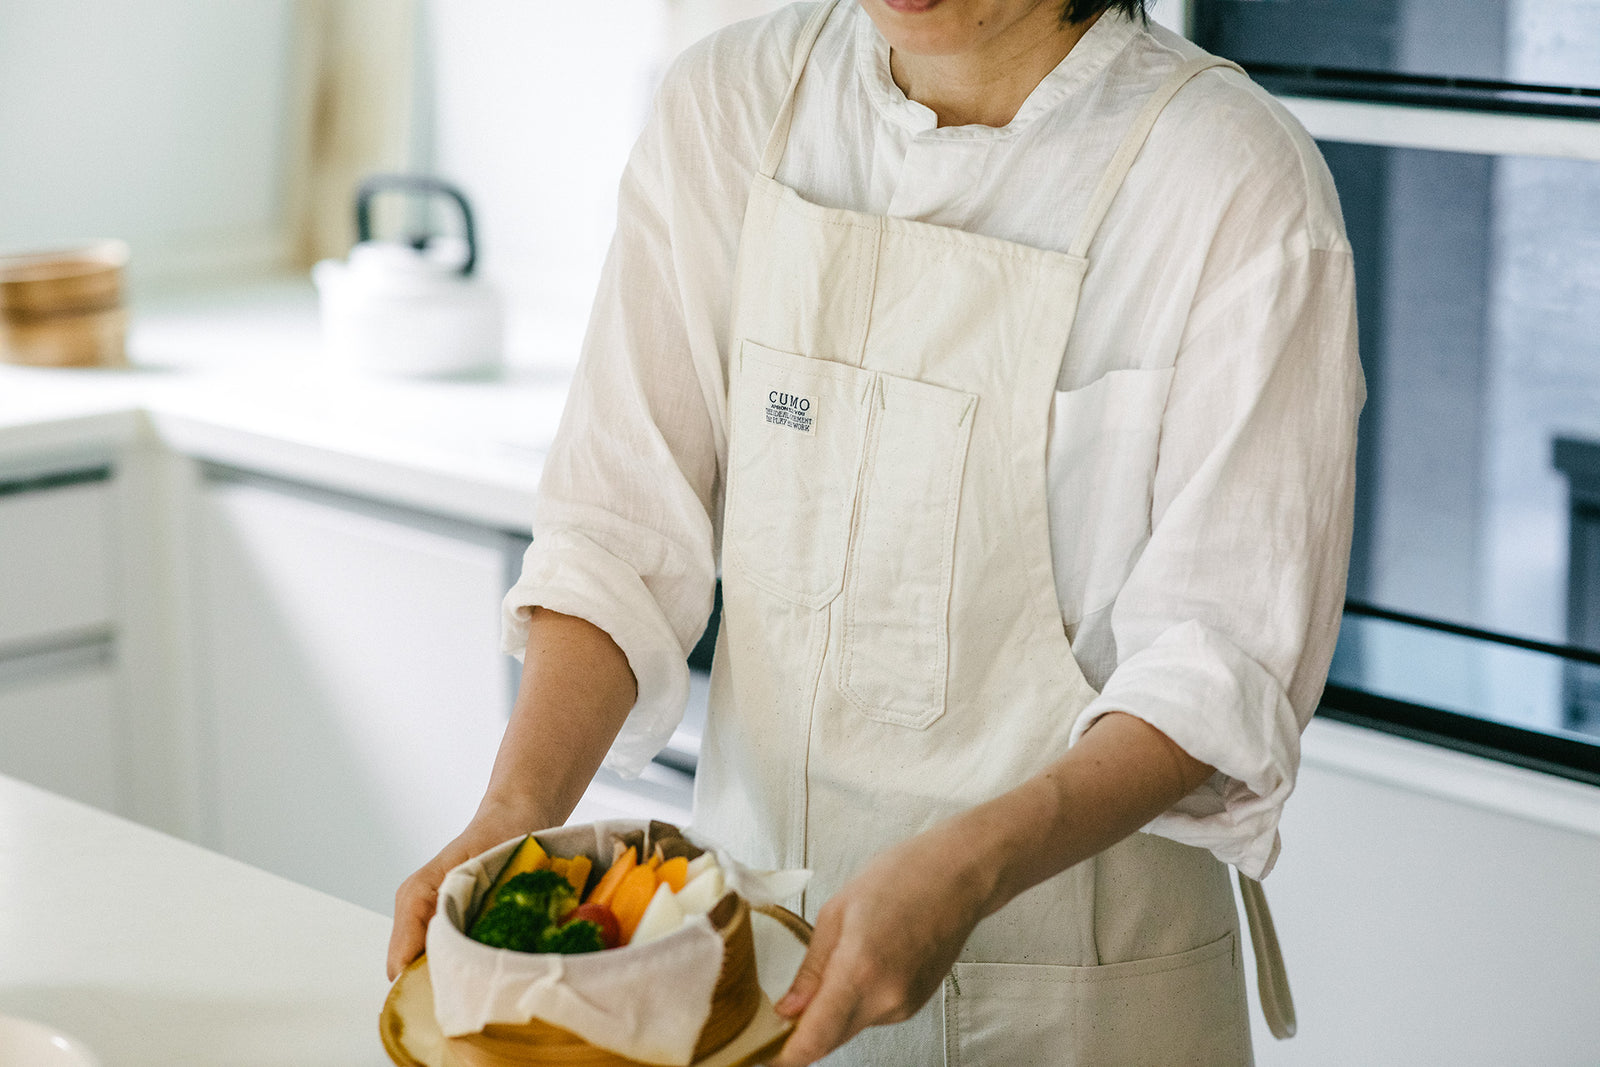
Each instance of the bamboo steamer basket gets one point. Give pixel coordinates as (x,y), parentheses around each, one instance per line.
(64,308)
(734,1001)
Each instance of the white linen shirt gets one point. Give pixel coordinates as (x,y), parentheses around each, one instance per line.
(1202,594)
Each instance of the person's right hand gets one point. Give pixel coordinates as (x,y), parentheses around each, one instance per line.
(418,895)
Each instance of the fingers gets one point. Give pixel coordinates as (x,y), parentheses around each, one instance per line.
(839,991)
(415,900)
(809,977)
(414,903)
(413,907)
(833,1017)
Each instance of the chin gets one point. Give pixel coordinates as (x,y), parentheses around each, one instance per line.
(945,27)
(928,27)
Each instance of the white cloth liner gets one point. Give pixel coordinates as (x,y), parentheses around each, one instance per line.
(646,1002)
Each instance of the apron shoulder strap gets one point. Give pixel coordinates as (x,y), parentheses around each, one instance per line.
(772,155)
(1122,161)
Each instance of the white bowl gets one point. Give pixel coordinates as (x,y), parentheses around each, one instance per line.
(24,1043)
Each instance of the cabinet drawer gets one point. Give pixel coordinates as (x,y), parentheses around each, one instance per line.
(60,727)
(54,569)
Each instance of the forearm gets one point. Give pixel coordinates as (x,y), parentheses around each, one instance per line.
(576,691)
(1122,773)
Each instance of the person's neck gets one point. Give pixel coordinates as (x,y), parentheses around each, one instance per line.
(987,86)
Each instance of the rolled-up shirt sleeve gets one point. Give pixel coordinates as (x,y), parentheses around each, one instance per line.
(1226,625)
(623,524)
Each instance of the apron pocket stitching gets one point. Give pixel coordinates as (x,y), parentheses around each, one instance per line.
(931,629)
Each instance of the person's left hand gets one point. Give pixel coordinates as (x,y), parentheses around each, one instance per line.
(884,942)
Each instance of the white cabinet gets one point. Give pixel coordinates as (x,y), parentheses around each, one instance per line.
(59,726)
(54,583)
(352,691)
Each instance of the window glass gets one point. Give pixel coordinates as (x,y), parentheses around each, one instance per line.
(1478,501)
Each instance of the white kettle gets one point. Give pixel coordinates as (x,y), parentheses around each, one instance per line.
(410,308)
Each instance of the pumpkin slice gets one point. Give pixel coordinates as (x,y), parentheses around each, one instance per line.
(578,869)
(529,856)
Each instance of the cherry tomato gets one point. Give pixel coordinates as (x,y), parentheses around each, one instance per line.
(601,916)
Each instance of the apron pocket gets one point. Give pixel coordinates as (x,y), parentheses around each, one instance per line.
(797,427)
(895,636)
(1102,460)
(1186,1008)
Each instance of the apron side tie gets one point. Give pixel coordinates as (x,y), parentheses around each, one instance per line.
(1272,979)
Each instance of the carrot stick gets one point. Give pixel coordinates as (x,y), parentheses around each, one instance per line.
(613,877)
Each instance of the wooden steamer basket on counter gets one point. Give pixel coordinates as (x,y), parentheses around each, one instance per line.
(64,308)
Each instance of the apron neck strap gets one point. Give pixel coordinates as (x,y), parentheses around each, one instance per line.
(778,139)
(1122,162)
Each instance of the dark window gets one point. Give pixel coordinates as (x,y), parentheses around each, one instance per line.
(1530,56)
(1474,615)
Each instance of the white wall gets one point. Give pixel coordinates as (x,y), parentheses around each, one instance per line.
(1435,908)
(536,106)
(163,122)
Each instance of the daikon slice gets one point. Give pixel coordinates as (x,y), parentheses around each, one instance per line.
(662,917)
(701,863)
(699,895)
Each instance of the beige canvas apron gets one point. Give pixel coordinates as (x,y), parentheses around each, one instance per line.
(892,651)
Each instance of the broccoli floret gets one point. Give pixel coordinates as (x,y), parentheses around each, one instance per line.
(510,927)
(580,935)
(523,909)
(543,891)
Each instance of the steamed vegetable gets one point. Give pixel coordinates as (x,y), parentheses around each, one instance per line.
(613,877)
(662,917)
(529,856)
(580,935)
(537,904)
(526,906)
(600,915)
(674,872)
(632,898)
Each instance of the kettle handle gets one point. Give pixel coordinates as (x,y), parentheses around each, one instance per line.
(414,183)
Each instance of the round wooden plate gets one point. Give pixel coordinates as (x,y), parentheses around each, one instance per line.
(412,1037)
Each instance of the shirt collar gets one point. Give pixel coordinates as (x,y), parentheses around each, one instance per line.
(1093,52)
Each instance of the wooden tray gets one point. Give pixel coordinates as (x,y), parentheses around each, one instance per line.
(412,1037)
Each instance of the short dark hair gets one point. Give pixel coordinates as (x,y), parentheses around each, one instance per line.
(1078,10)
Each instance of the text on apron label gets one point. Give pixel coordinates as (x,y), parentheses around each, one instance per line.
(791,410)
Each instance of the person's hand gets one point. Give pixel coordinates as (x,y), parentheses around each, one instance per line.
(418,895)
(884,943)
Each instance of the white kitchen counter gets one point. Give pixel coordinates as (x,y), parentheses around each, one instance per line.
(154,951)
(237,377)
(203,578)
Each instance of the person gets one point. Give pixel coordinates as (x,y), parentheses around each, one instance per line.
(1000,354)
